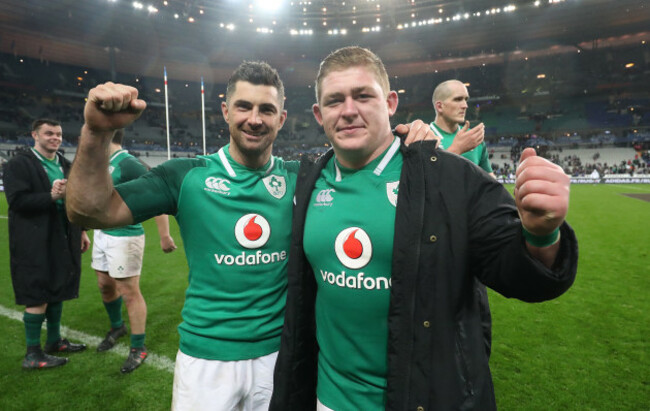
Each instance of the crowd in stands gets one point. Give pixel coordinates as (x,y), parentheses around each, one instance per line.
(593,99)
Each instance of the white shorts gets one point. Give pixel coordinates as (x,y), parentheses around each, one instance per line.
(214,385)
(120,257)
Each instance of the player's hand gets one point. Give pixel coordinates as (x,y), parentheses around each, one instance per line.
(167,244)
(58,189)
(467,139)
(418,130)
(541,193)
(85,242)
(111,106)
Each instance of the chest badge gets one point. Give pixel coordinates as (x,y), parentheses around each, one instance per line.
(275,185)
(392,189)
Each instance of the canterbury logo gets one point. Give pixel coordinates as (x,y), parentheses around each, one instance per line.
(219,185)
(324,197)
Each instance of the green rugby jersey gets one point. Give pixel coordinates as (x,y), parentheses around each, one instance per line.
(236,228)
(54,171)
(348,241)
(124,167)
(478,155)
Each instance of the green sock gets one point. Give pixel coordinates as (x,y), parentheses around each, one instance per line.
(53,316)
(33,324)
(137,340)
(114,310)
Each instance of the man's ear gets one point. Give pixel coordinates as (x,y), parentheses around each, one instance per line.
(392,100)
(438,106)
(316,110)
(224,110)
(283,118)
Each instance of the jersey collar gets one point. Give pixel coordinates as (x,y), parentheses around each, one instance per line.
(231,171)
(115,154)
(55,160)
(440,132)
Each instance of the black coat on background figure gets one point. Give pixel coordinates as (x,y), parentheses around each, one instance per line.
(45,249)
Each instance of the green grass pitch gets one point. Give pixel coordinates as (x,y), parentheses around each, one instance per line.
(587,350)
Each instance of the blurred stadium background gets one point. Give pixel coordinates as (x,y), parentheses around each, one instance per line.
(568,77)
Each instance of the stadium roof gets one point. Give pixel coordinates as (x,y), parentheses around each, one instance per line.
(209,38)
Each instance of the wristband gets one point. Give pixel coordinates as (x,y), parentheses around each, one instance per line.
(541,241)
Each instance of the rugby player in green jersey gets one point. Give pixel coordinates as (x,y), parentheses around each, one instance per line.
(234,210)
(450,103)
(117,261)
(387,243)
(44,248)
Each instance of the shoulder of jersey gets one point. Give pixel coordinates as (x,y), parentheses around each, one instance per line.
(281,163)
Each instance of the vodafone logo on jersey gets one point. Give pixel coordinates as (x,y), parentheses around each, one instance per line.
(353,248)
(252,231)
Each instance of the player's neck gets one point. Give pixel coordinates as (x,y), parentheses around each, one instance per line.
(444,125)
(252,160)
(357,159)
(45,153)
(113,148)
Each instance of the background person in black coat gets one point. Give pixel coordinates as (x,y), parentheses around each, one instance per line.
(45,248)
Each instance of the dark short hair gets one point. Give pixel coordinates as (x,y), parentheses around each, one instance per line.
(257,73)
(38,123)
(118,136)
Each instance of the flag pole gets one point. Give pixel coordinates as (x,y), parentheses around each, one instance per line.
(167,114)
(203,112)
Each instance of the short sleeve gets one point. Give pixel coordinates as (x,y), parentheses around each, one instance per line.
(156,192)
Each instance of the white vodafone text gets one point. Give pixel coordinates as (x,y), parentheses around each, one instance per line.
(256,258)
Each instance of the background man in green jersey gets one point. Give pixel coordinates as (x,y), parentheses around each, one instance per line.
(234,215)
(117,260)
(45,248)
(375,321)
(450,102)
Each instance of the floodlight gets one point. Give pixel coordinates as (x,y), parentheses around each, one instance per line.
(268,5)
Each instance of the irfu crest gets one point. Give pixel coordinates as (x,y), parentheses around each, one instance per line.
(276,185)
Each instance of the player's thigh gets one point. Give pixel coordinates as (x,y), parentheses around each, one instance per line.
(129,286)
(105,282)
(206,384)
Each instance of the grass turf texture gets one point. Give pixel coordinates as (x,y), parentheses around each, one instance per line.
(587,350)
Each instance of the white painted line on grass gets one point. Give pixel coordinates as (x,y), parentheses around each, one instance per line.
(157,361)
